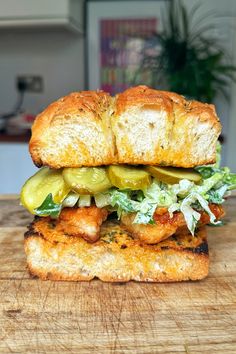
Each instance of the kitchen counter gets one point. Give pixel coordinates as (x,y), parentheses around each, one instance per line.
(54,317)
(20,138)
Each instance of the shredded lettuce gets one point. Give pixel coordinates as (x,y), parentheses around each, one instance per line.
(183,188)
(227,178)
(209,183)
(192,216)
(216,195)
(160,193)
(230,180)
(121,199)
(102,199)
(146,212)
(70,200)
(84,200)
(156,195)
(174,207)
(185,196)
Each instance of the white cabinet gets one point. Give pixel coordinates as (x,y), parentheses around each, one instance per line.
(15,167)
(30,14)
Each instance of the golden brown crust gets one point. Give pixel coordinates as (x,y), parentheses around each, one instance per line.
(154,127)
(82,222)
(139,126)
(74,131)
(143,96)
(151,234)
(115,257)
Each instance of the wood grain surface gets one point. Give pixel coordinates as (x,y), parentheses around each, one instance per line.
(62,317)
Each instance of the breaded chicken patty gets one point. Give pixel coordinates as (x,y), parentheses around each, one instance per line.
(165,225)
(84,222)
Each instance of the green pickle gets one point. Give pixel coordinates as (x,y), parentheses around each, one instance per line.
(129,177)
(87,180)
(36,188)
(172,175)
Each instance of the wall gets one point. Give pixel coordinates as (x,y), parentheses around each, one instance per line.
(57,56)
(16,167)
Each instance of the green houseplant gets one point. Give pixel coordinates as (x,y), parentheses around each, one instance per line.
(188,62)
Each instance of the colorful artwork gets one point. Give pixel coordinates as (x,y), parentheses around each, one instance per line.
(122,44)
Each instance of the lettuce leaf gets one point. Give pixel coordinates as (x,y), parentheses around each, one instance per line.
(102,199)
(122,201)
(145,214)
(161,194)
(209,183)
(183,188)
(230,180)
(191,216)
(216,195)
(227,178)
(71,200)
(49,208)
(156,195)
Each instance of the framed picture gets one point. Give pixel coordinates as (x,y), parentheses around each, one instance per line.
(118,33)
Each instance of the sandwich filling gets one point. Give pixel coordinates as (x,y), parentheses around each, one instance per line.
(151,202)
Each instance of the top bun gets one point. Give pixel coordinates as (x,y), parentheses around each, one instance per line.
(139,126)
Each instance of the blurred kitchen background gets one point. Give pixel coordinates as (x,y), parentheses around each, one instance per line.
(49,48)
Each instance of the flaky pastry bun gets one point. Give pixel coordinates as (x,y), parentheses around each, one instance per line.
(139,126)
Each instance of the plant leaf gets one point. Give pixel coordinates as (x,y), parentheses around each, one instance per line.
(188,63)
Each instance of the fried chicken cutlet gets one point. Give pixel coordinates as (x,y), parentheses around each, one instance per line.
(165,225)
(86,222)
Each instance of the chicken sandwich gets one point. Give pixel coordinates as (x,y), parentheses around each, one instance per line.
(126,187)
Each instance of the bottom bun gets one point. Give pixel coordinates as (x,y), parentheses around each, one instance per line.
(116,257)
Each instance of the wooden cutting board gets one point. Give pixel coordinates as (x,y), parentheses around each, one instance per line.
(61,317)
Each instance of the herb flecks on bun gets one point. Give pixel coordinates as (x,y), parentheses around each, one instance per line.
(146,159)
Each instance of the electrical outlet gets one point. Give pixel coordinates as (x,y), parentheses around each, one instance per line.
(29,83)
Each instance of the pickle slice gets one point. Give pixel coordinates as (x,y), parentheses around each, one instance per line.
(36,188)
(129,177)
(87,180)
(172,175)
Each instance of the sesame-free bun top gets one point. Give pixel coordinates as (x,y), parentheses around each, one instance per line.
(74,131)
(139,126)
